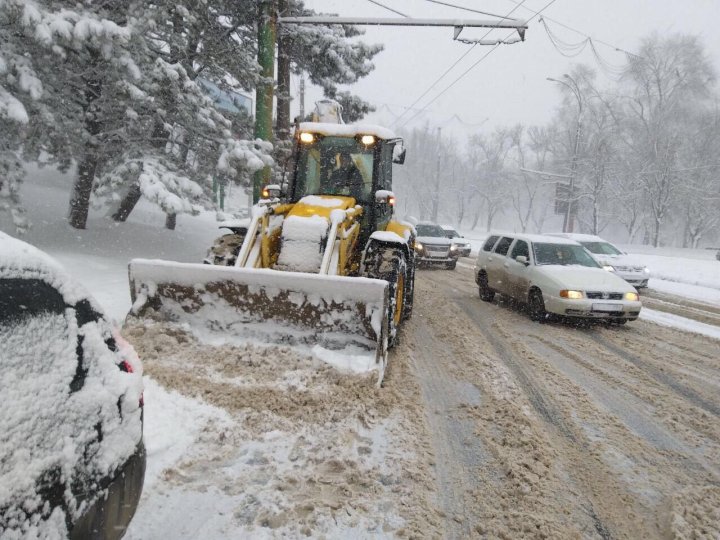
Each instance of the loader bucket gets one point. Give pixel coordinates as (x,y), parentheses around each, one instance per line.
(272,306)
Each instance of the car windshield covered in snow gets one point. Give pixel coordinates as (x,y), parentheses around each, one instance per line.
(429,229)
(335,165)
(601,248)
(451,233)
(562,254)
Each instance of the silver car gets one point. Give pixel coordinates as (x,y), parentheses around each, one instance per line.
(613,259)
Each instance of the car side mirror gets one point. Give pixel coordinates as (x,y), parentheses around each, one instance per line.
(522,259)
(398,155)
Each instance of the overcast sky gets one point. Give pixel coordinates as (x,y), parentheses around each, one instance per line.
(509,85)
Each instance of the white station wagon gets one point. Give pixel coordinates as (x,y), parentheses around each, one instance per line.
(554,276)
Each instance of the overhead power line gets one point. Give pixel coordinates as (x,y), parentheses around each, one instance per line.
(387,7)
(448,70)
(537,14)
(466,9)
(516,2)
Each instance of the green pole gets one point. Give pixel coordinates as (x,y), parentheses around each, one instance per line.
(264,90)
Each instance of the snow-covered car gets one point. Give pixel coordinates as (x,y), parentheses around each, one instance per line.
(612,258)
(72,459)
(463,246)
(432,246)
(554,276)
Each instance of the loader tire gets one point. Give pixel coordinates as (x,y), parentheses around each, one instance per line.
(409,291)
(390,264)
(225,249)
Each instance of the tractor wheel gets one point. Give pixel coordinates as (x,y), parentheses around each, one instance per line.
(389,264)
(225,249)
(486,293)
(409,291)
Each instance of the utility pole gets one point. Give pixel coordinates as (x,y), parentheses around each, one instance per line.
(571,209)
(302,97)
(436,195)
(264,91)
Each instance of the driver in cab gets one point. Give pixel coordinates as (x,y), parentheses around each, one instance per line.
(347,177)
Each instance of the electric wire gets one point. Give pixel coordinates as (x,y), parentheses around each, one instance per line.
(387,7)
(571,50)
(576,30)
(472,66)
(448,70)
(470,10)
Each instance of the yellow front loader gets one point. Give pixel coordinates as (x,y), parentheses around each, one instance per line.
(321,263)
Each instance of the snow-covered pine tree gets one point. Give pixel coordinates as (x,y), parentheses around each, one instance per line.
(330,55)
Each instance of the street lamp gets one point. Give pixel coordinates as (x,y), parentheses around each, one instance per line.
(569,222)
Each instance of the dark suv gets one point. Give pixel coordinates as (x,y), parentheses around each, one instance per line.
(72,460)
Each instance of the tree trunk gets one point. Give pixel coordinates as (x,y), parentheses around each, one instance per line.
(132,197)
(170,221)
(82,187)
(128,203)
(656,233)
(282,127)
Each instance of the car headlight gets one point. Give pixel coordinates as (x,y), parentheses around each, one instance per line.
(609,268)
(632,296)
(571,295)
(646,270)
(418,246)
(453,247)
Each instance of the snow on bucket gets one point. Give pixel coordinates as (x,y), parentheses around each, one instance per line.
(293,308)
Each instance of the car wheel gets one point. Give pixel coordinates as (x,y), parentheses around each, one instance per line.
(486,293)
(536,306)
(451,265)
(620,322)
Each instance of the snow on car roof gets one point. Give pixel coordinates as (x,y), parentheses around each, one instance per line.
(348,130)
(19,259)
(536,238)
(579,237)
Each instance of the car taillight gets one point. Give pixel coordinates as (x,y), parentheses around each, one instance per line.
(127,368)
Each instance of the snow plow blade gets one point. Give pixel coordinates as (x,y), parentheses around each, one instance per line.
(293,308)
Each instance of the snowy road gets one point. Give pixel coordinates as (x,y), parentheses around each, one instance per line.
(564,432)
(488,425)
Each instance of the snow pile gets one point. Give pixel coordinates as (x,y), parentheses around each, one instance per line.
(302,243)
(307,452)
(387,236)
(64,426)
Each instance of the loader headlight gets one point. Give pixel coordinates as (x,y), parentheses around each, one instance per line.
(367,140)
(307,137)
(608,268)
(571,295)
(632,296)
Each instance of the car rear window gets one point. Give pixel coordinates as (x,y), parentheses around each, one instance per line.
(503,245)
(489,243)
(23,298)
